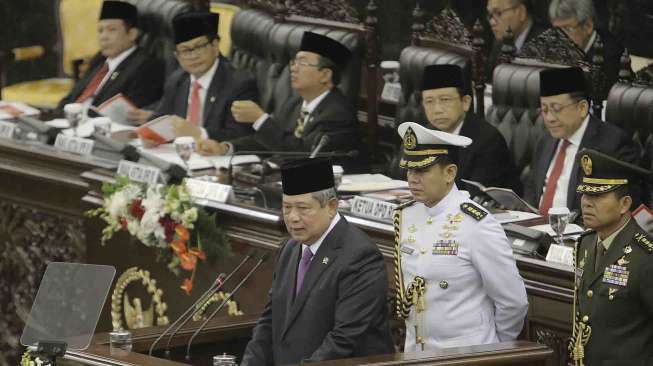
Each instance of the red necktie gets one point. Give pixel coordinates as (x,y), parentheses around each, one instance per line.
(195,104)
(94,83)
(552,182)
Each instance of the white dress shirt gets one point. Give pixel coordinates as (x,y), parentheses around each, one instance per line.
(205,83)
(309,107)
(315,246)
(590,42)
(560,196)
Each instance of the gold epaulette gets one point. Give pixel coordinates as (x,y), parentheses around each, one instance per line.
(645,241)
(473,210)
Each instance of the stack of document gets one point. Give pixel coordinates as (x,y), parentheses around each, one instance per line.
(168,153)
(10,110)
(369,183)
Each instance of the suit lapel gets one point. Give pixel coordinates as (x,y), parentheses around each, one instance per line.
(116,78)
(470,128)
(181,100)
(315,116)
(616,249)
(323,259)
(213,93)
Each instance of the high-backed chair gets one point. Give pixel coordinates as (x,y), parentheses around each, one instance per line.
(630,106)
(515,110)
(77,41)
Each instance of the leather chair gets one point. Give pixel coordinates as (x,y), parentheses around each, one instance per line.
(77,41)
(631,107)
(515,110)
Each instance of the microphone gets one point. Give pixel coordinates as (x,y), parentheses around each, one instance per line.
(219,281)
(205,296)
(39,127)
(174,171)
(224,302)
(323,141)
(130,152)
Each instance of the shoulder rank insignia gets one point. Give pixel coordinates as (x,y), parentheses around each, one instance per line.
(645,242)
(473,210)
(404,205)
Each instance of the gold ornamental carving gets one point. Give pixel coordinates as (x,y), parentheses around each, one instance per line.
(232,306)
(134,314)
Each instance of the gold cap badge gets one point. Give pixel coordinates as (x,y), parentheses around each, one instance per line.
(410,139)
(586,164)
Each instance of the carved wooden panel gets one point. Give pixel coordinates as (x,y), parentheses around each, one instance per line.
(29,240)
(554,47)
(555,340)
(448,27)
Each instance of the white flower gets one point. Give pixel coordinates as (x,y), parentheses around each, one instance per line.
(189,217)
(133,227)
(117,205)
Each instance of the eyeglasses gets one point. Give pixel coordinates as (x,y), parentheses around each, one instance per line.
(555,109)
(571,28)
(444,102)
(188,52)
(496,14)
(297,62)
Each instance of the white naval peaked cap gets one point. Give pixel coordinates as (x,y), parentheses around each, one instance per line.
(433,137)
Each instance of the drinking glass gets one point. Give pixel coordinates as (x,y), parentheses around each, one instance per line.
(558,219)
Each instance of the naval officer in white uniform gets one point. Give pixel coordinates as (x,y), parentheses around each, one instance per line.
(460,280)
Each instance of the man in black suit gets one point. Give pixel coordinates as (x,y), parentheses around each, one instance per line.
(514,15)
(614,268)
(200,93)
(120,66)
(565,110)
(576,18)
(328,298)
(321,109)
(447,107)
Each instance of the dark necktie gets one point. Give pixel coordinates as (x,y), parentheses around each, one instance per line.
(600,252)
(304,263)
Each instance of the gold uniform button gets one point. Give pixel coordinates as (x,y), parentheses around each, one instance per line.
(590,293)
(586,319)
(444,284)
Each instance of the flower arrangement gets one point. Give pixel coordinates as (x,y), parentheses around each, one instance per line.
(162,217)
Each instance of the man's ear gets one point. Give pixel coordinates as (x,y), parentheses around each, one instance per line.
(451,171)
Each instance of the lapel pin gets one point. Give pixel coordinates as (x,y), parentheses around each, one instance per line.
(212,99)
(325,260)
(114,75)
(628,249)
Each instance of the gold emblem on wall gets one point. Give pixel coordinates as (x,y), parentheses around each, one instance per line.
(232,306)
(134,315)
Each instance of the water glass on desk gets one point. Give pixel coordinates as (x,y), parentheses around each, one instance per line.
(74,113)
(224,360)
(558,219)
(102,126)
(185,146)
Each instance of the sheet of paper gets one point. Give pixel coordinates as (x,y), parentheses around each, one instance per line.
(116,108)
(159,130)
(514,216)
(10,110)
(569,229)
(168,153)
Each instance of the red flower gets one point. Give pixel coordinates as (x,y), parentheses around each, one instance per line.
(178,246)
(199,253)
(123,223)
(136,209)
(168,227)
(187,286)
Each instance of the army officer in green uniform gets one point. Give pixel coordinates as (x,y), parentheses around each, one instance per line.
(614,269)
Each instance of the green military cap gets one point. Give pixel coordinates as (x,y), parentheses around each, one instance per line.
(603,173)
(422,147)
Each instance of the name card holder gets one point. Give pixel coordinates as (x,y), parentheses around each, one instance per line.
(391,92)
(73,144)
(211,191)
(7,130)
(369,207)
(560,254)
(139,172)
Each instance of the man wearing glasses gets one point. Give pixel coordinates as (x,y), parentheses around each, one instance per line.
(202,90)
(514,15)
(320,110)
(576,18)
(565,111)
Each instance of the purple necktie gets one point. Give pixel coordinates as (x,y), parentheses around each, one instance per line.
(303,268)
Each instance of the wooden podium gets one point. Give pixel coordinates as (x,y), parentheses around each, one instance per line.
(230,335)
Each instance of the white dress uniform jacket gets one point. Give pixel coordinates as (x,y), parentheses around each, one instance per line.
(474,293)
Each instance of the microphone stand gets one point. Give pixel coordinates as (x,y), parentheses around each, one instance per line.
(224,302)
